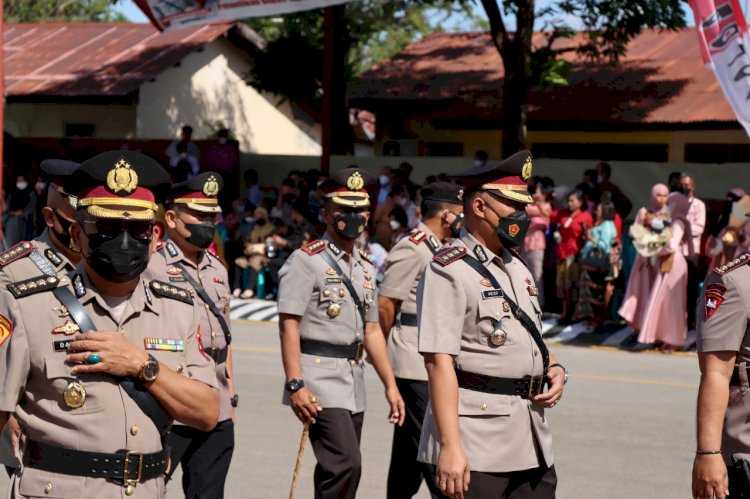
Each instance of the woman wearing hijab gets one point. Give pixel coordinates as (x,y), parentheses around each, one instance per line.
(643,275)
(665,321)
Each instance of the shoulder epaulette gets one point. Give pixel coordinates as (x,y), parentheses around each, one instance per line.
(168,291)
(450,255)
(365,257)
(417,236)
(733,265)
(15,252)
(32,286)
(314,247)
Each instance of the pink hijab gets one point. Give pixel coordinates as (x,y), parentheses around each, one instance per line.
(679,204)
(655,191)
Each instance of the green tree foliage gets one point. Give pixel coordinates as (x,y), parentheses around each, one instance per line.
(608,26)
(376,30)
(36,11)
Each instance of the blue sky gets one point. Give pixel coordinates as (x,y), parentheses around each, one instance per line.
(133,13)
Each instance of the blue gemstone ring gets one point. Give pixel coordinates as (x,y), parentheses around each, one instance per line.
(93,358)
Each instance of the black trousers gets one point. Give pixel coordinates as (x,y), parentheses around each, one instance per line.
(335,438)
(536,483)
(205,458)
(405,474)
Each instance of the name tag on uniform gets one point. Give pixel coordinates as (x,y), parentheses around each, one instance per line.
(167,344)
(492,293)
(333,280)
(61,345)
(177,279)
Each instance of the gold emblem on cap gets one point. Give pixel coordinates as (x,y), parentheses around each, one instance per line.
(460,195)
(211,187)
(526,170)
(122,178)
(355,181)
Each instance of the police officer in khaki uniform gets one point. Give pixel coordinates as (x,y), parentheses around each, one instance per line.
(441,208)
(183,261)
(479,331)
(96,363)
(51,249)
(328,317)
(723,396)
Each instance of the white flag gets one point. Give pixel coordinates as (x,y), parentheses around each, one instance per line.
(725,46)
(173,14)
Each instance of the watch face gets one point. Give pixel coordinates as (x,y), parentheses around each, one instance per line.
(150,370)
(294,385)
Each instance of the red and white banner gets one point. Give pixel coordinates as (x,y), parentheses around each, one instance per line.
(725,46)
(174,14)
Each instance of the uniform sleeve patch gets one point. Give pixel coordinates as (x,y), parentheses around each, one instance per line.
(15,252)
(417,236)
(314,247)
(6,328)
(714,297)
(450,255)
(168,291)
(733,265)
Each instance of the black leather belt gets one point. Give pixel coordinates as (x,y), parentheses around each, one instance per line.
(353,351)
(218,354)
(408,320)
(523,387)
(127,467)
(735,379)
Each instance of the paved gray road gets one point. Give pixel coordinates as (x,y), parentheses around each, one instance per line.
(624,429)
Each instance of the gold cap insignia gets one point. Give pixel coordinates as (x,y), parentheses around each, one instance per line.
(526,170)
(355,182)
(122,179)
(460,195)
(211,187)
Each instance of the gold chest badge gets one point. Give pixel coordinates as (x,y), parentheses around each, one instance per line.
(74,394)
(498,336)
(334,309)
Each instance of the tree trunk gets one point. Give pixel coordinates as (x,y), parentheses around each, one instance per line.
(337,136)
(515,51)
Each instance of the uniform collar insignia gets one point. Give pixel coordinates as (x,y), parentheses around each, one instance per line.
(52,256)
(334,249)
(149,296)
(79,286)
(479,252)
(171,249)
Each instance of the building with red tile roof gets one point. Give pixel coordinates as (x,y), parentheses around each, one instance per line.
(442,96)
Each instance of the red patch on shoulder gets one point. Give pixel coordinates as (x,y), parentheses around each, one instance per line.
(713,298)
(6,328)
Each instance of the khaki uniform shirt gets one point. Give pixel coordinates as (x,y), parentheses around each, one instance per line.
(308,288)
(499,433)
(35,374)
(212,275)
(724,325)
(17,269)
(403,270)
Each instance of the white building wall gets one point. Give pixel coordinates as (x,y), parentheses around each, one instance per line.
(206,90)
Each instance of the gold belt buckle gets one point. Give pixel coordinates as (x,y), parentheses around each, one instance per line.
(125,476)
(360,351)
(533,382)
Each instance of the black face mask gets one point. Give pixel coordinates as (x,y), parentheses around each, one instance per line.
(511,230)
(349,225)
(261,222)
(456,225)
(64,236)
(201,235)
(118,259)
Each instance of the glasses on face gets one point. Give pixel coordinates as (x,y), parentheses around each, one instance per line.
(109,229)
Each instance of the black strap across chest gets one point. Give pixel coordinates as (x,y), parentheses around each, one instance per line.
(208,301)
(515,309)
(347,282)
(145,401)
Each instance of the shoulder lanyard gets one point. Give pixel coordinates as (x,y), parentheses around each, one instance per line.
(517,311)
